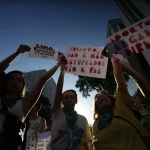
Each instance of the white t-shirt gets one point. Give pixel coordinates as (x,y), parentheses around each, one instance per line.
(17,110)
(73,138)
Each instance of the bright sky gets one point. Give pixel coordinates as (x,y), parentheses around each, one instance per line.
(58,23)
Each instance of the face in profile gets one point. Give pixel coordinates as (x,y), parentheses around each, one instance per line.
(102,102)
(69,99)
(15,83)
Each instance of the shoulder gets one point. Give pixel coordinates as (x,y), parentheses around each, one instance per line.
(57,112)
(82,118)
(18,105)
(122,98)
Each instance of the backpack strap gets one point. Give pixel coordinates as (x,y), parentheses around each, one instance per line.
(118,117)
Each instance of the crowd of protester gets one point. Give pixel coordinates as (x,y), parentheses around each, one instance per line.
(116,123)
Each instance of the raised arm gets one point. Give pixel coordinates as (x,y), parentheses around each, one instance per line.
(118,73)
(7,61)
(58,95)
(143,86)
(119,76)
(33,96)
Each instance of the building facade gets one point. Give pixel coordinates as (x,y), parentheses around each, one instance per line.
(114,26)
(49,89)
(132,11)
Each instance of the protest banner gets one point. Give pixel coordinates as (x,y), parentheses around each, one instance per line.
(131,40)
(86,61)
(42,51)
(37,141)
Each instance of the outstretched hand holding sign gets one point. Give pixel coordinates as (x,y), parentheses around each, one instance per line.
(142,85)
(105,52)
(62,60)
(114,57)
(7,61)
(23,48)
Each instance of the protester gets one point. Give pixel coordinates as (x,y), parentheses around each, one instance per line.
(69,129)
(36,122)
(14,101)
(115,126)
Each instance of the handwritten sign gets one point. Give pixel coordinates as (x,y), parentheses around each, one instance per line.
(42,51)
(37,141)
(131,40)
(86,61)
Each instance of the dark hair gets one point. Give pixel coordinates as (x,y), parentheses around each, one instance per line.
(6,78)
(95,111)
(73,91)
(38,105)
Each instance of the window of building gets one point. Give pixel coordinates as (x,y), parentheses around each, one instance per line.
(127,12)
(122,26)
(135,9)
(115,28)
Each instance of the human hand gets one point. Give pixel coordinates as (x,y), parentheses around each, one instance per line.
(116,58)
(105,52)
(62,59)
(22,49)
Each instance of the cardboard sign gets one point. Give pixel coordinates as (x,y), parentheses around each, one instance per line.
(131,40)
(37,141)
(86,61)
(42,51)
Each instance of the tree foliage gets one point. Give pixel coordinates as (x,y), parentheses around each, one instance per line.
(88,84)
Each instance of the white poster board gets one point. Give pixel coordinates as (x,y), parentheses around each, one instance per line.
(86,61)
(131,40)
(42,51)
(37,141)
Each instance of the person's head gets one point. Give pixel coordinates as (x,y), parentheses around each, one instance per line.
(69,98)
(103,102)
(14,83)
